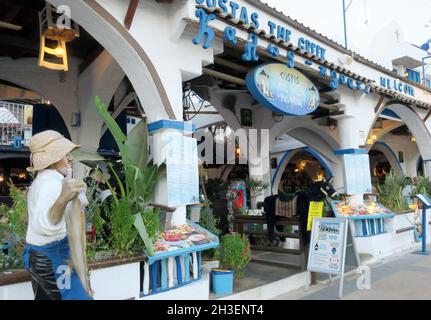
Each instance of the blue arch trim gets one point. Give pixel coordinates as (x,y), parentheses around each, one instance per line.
(310,151)
(393,154)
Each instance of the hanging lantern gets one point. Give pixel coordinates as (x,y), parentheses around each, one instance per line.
(56,29)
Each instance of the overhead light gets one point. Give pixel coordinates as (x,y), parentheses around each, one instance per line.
(412,139)
(59,51)
(58,33)
(1,178)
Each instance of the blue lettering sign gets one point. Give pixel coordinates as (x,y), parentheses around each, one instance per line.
(230,35)
(205,31)
(244,15)
(291,59)
(235,7)
(254,19)
(272,27)
(222,5)
(250,49)
(273,50)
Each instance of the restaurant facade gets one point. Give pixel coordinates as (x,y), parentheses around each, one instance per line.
(318,110)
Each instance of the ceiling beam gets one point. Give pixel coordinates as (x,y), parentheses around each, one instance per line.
(131,10)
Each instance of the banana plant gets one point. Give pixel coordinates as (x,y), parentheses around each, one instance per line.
(140,172)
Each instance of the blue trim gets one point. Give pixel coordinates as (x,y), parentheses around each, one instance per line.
(154,277)
(380,143)
(310,151)
(179,271)
(171,124)
(350,151)
(187,267)
(390,113)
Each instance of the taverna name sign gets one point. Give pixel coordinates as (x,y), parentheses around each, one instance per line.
(206,35)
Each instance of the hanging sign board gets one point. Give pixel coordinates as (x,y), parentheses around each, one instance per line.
(332,247)
(182,171)
(358,179)
(283,90)
(315,210)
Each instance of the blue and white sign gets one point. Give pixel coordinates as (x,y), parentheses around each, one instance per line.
(283,90)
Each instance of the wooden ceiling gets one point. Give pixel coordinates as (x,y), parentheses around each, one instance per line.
(24,43)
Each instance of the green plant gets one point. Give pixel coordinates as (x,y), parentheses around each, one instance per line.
(139,172)
(123,234)
(235,253)
(391,193)
(210,223)
(214,187)
(94,217)
(423,186)
(152,223)
(13,228)
(256,187)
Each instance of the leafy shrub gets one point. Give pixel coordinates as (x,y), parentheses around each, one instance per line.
(123,233)
(391,193)
(235,253)
(151,219)
(210,223)
(423,186)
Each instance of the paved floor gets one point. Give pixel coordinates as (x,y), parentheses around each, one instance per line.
(258,274)
(407,277)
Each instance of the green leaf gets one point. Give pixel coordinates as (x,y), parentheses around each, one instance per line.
(80,155)
(117,133)
(140,226)
(137,144)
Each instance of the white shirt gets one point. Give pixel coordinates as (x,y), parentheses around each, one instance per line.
(43,193)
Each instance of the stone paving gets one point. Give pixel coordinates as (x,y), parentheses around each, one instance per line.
(407,277)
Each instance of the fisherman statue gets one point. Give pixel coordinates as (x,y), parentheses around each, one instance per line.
(55,251)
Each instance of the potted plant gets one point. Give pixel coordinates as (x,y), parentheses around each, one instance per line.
(234,255)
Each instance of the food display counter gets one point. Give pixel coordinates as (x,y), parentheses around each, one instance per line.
(177,260)
(369,218)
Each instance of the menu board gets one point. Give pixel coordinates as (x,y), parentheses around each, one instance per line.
(357,174)
(182,171)
(327,246)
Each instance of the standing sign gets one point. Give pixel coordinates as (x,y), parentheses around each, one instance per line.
(332,247)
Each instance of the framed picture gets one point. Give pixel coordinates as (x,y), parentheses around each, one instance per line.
(246,118)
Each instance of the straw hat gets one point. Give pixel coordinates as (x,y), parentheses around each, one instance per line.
(47,148)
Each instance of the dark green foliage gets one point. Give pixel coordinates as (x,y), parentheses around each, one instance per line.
(235,253)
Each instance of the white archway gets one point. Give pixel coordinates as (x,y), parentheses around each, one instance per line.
(127,52)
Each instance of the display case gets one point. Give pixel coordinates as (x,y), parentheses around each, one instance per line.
(177,260)
(369,219)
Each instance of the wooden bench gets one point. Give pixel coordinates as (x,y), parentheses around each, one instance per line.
(240,225)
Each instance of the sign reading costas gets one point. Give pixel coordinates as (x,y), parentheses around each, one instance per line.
(283,90)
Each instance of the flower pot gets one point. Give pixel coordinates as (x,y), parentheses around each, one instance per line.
(222,282)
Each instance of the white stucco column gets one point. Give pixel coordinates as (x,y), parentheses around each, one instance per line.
(179,185)
(259,161)
(427,168)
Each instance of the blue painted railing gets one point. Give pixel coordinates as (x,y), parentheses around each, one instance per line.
(170,270)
